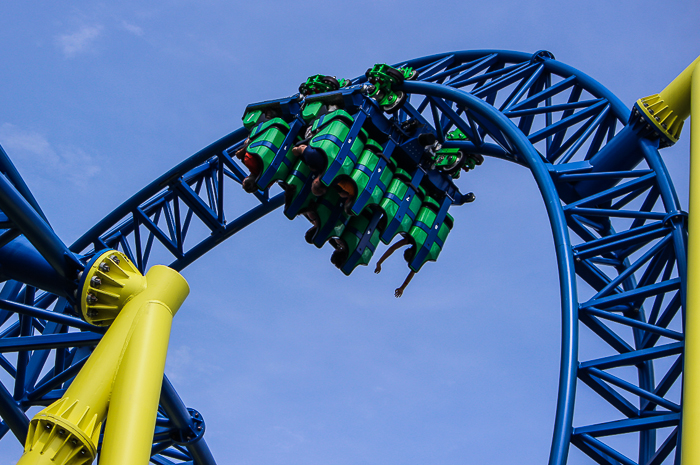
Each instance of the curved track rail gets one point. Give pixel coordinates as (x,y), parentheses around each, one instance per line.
(618,229)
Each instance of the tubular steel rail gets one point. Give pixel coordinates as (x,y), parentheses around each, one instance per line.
(619,233)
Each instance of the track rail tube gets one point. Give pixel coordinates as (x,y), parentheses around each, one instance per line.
(181,419)
(39,233)
(567,275)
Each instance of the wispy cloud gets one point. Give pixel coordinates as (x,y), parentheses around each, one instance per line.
(33,151)
(184,363)
(132,28)
(80,41)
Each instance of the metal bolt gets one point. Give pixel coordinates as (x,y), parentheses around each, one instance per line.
(104,267)
(80,274)
(61,432)
(47,426)
(651,111)
(91,299)
(114,258)
(82,451)
(646,104)
(95,281)
(74,442)
(657,118)
(199,428)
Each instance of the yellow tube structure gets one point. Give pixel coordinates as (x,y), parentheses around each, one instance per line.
(690,428)
(133,408)
(676,94)
(121,378)
(669,108)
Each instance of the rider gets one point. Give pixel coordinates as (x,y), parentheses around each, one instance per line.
(253,164)
(316,161)
(407,255)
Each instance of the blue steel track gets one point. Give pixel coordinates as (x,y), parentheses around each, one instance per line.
(618,229)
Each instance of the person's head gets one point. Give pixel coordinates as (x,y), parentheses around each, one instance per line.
(409,253)
(346,188)
(317,187)
(270,113)
(298,149)
(340,255)
(249,184)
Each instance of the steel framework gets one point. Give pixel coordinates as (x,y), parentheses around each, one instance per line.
(619,233)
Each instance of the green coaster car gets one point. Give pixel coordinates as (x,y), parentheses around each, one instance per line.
(400,205)
(429,233)
(357,243)
(372,176)
(268,141)
(333,129)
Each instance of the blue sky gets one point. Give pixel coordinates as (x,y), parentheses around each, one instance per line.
(288,360)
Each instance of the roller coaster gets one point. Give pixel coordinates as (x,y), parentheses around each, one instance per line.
(84,328)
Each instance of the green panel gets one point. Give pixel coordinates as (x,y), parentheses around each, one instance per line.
(312,110)
(357,226)
(399,188)
(251,118)
(274,132)
(326,213)
(293,186)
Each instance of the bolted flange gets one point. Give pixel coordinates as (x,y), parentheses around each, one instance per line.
(191,434)
(109,281)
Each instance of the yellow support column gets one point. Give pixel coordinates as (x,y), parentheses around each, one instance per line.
(690,429)
(134,405)
(123,376)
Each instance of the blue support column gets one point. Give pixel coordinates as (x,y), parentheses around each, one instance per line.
(37,231)
(13,416)
(181,419)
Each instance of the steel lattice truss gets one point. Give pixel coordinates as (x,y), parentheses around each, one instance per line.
(619,234)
